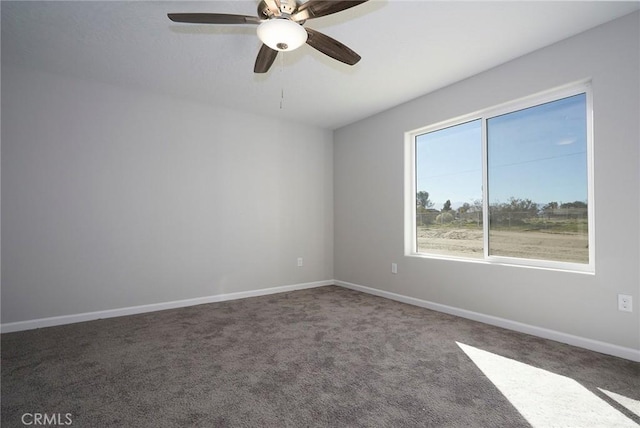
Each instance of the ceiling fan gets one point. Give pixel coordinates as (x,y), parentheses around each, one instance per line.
(280,28)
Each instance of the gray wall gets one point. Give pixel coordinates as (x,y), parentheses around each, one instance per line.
(114,198)
(368,195)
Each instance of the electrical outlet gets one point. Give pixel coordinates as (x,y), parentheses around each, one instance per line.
(625,303)
(394,267)
(300,262)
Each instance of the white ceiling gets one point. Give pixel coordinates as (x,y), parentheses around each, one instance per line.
(408,48)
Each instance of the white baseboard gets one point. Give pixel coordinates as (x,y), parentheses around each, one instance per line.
(594,345)
(582,342)
(132,310)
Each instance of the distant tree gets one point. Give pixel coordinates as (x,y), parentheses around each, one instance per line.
(444,217)
(576,204)
(524,206)
(516,211)
(477,208)
(422,200)
(465,208)
(576,209)
(447,206)
(549,208)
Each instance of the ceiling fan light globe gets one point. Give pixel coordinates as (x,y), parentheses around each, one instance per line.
(282,34)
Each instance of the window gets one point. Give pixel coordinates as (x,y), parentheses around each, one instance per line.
(448,172)
(510,184)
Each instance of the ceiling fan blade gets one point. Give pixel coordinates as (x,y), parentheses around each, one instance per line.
(212,18)
(318,8)
(265,58)
(331,47)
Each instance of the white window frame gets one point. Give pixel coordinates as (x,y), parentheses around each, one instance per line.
(410,239)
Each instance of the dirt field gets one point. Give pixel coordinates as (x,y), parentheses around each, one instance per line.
(567,247)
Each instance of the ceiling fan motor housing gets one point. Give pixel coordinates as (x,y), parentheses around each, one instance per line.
(287,8)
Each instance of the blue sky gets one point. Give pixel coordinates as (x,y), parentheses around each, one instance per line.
(537,153)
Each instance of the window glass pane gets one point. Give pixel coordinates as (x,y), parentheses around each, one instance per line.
(537,182)
(449,191)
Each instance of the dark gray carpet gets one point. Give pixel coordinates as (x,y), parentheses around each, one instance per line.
(320,357)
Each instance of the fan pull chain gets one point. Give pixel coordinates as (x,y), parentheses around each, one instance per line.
(281,80)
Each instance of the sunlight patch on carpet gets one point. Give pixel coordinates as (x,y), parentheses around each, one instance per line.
(543,398)
(629,403)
